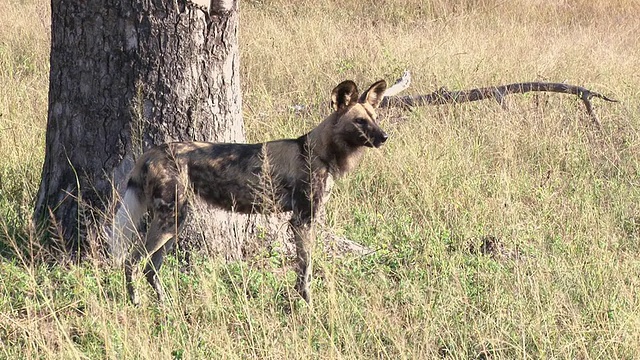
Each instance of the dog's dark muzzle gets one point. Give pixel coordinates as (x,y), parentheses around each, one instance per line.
(380,139)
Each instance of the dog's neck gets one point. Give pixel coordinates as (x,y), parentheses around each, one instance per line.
(332,150)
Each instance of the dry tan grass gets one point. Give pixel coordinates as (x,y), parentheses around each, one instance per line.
(24,82)
(559,196)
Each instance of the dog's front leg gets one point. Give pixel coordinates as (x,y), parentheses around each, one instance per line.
(303,236)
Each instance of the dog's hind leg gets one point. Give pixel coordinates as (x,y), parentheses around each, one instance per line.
(130,265)
(153,267)
(160,239)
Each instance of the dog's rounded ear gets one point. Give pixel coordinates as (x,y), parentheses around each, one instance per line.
(343,95)
(374,93)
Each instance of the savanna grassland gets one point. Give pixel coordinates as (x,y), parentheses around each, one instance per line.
(498,233)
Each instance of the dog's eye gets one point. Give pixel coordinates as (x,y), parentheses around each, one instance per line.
(361,121)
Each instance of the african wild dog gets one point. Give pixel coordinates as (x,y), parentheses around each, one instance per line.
(229,176)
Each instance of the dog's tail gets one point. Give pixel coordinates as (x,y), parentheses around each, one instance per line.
(126,221)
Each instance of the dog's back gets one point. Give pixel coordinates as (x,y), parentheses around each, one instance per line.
(245,178)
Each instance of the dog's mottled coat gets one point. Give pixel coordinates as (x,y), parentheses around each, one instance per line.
(282,175)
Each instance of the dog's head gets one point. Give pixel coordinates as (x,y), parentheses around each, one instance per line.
(356,118)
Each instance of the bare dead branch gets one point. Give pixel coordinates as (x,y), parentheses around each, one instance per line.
(444,96)
(400,85)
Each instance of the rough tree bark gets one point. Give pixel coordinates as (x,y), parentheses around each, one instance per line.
(126,75)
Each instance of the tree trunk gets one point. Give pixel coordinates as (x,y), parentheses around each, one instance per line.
(127,75)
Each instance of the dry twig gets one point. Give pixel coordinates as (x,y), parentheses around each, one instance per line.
(444,96)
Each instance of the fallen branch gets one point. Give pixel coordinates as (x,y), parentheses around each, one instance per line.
(444,96)
(400,85)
